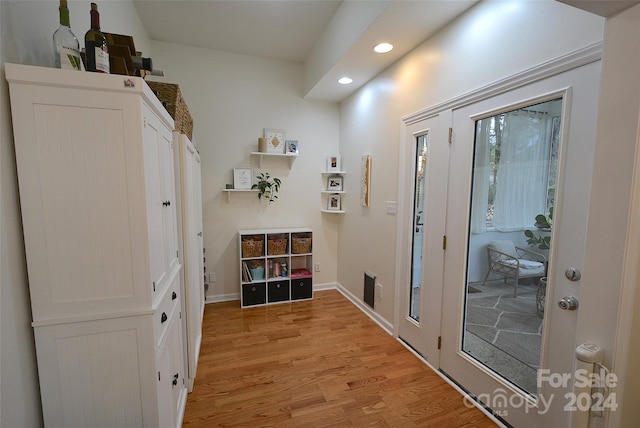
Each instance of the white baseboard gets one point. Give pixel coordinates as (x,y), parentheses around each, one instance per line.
(383,323)
(219,298)
(325,286)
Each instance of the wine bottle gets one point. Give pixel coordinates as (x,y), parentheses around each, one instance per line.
(95,44)
(66,48)
(141,63)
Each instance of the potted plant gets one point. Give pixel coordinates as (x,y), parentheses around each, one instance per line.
(267,186)
(543,223)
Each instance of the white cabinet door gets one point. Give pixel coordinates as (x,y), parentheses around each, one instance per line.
(152,175)
(169,221)
(172,392)
(162,228)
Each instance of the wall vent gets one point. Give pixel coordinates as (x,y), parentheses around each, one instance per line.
(369,288)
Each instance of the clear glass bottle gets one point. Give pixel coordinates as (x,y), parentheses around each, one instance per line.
(66,48)
(95,45)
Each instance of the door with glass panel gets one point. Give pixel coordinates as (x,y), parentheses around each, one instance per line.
(420,257)
(516,220)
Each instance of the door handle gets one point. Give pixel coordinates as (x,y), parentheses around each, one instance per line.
(568,303)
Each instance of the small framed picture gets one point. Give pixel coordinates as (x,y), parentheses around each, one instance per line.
(334,203)
(242,178)
(334,184)
(275,140)
(292,147)
(333,163)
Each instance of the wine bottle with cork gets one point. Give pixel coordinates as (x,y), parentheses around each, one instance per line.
(66,48)
(95,44)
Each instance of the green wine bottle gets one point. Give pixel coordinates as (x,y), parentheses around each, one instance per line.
(95,44)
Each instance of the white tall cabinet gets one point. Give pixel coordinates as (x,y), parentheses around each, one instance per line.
(190,237)
(97,192)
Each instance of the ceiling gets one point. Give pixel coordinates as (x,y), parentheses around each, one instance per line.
(331,38)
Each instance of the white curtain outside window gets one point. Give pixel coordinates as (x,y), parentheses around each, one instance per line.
(521,183)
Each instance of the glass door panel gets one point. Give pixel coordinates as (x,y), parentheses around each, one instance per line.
(422,143)
(514,182)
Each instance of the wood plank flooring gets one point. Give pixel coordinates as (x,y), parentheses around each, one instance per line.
(319,363)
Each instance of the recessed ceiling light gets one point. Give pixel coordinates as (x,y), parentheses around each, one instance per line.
(345,80)
(383,47)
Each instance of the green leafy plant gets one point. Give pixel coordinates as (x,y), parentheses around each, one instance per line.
(267,186)
(543,222)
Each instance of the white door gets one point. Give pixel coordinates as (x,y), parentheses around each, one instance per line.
(494,340)
(420,258)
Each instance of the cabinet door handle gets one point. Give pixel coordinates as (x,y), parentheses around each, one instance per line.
(163,318)
(174,296)
(166,203)
(175,379)
(199,233)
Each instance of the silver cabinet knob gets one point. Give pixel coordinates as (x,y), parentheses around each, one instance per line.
(568,303)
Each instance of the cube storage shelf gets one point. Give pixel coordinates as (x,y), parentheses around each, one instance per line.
(276,266)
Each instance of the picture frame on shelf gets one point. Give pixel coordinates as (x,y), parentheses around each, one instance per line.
(334,183)
(333,163)
(275,140)
(334,203)
(291,147)
(242,178)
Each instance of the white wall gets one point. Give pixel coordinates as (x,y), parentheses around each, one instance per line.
(490,42)
(232,98)
(611,271)
(27,28)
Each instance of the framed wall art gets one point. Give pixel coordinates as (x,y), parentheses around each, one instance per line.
(334,184)
(365,181)
(334,203)
(333,163)
(275,140)
(292,147)
(242,178)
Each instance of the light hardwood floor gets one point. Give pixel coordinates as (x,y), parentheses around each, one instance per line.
(313,364)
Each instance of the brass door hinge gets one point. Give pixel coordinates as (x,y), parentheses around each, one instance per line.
(444,242)
(450,135)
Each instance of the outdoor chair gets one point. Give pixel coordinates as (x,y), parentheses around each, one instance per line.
(509,261)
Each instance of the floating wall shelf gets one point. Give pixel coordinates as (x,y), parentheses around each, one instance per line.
(262,155)
(229,191)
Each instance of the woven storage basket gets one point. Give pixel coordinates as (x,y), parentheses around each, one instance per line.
(169,94)
(276,247)
(252,248)
(301,245)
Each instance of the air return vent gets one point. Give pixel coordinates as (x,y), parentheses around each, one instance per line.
(369,288)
